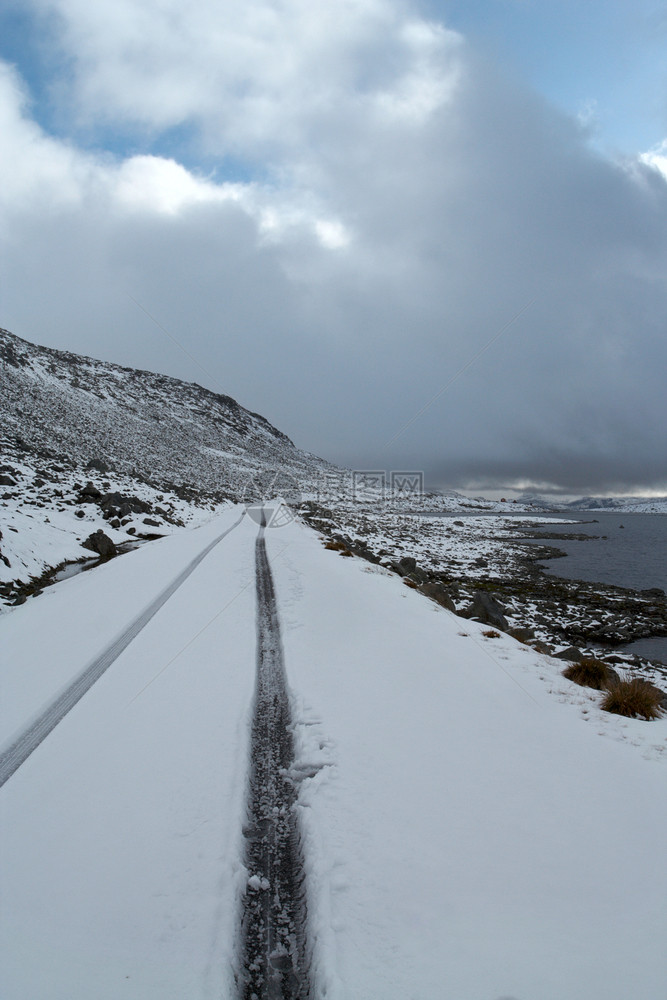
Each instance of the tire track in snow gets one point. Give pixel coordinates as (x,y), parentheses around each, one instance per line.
(273,949)
(21,748)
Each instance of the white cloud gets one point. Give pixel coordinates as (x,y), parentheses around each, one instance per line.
(657,158)
(33,167)
(253,76)
(410,201)
(154,184)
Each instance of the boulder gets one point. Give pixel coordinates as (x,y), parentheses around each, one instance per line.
(121,504)
(90,492)
(612,676)
(488,610)
(438,593)
(571,654)
(98,464)
(405,565)
(523,633)
(100,543)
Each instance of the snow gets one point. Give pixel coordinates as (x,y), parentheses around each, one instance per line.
(474,826)
(468,832)
(121,833)
(41,530)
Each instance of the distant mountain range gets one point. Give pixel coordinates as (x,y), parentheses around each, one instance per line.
(636,505)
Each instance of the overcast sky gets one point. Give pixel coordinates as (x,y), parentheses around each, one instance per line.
(413,235)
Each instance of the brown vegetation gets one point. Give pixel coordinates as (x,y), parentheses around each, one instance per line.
(635,698)
(591,673)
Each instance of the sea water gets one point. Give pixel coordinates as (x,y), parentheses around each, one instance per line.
(628,550)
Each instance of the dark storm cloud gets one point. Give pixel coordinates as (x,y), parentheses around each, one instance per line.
(414,218)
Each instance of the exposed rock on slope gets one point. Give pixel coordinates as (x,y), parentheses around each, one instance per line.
(158,430)
(88,449)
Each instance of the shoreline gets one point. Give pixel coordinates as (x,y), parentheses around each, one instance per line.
(549,613)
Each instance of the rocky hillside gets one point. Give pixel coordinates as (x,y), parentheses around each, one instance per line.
(95,458)
(158,430)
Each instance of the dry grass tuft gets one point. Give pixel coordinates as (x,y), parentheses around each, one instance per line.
(635,698)
(590,673)
(491,634)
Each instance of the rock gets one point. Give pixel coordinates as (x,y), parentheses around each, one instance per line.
(123,505)
(7,481)
(653,592)
(522,633)
(488,610)
(542,647)
(91,491)
(99,465)
(571,654)
(405,565)
(79,513)
(611,675)
(100,543)
(131,531)
(151,522)
(114,523)
(438,593)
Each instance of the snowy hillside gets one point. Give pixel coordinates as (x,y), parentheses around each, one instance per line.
(57,405)
(87,446)
(633,505)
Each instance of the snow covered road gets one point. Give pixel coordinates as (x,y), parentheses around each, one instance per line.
(21,747)
(273,949)
(121,834)
(470,829)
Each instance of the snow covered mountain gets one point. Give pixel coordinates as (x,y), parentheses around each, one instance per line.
(158,430)
(87,446)
(633,505)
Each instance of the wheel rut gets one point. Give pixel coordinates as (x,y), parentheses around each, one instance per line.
(273,960)
(16,754)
